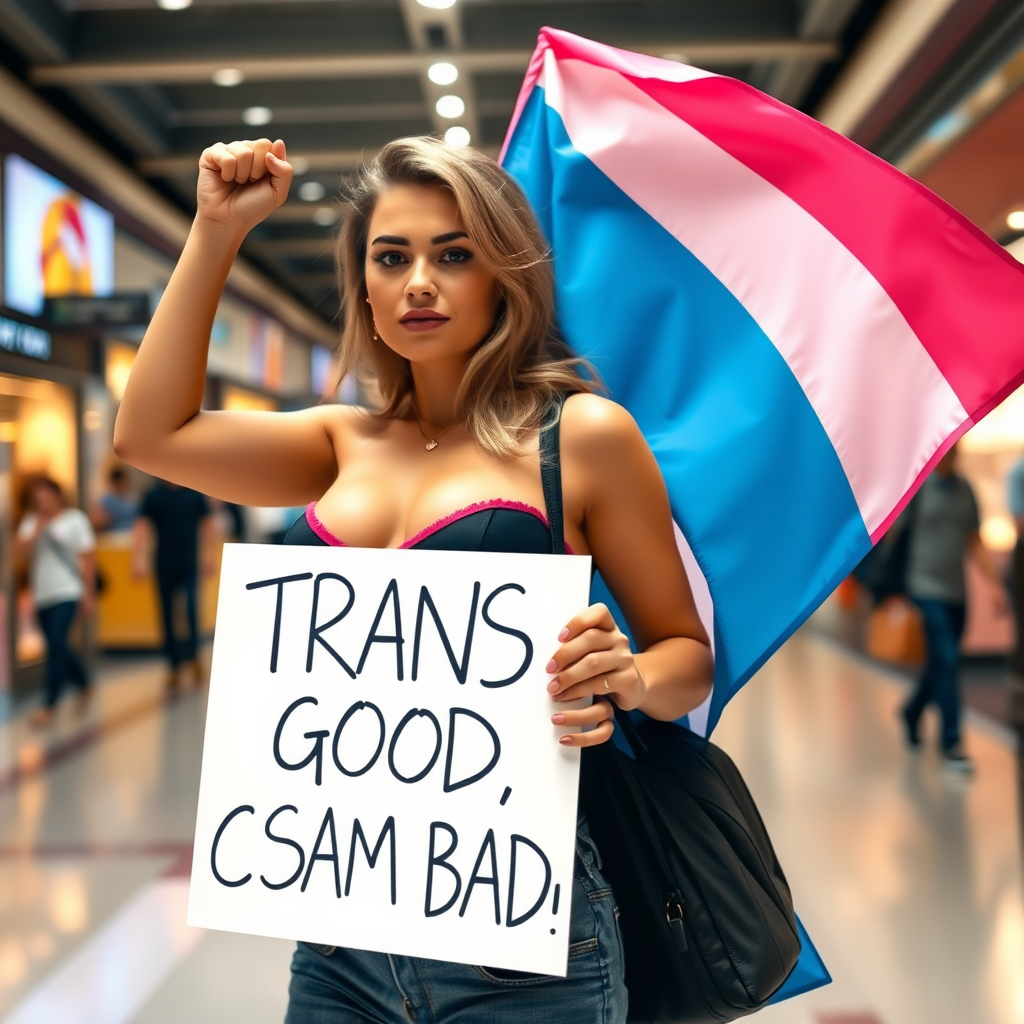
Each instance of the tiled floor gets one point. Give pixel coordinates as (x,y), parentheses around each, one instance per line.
(908,880)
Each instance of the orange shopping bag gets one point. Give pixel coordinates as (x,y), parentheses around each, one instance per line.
(896,633)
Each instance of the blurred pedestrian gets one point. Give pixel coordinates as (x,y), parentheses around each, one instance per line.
(1015,499)
(177,517)
(117,508)
(58,543)
(944,530)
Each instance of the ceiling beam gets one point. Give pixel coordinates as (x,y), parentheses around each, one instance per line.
(901,29)
(339,113)
(120,112)
(330,161)
(387,65)
(350,113)
(37,28)
(313,248)
(789,80)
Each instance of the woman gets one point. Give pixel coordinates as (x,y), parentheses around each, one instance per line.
(448,303)
(59,545)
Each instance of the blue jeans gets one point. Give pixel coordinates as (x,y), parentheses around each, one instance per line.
(62,662)
(332,985)
(939,683)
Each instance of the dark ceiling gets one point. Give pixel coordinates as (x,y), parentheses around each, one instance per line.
(340,77)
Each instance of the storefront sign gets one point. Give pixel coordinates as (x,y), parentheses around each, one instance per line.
(24,339)
(127,309)
(380,770)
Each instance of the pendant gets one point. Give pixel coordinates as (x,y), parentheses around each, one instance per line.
(431,444)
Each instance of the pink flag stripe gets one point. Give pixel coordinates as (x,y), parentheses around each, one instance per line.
(959,291)
(626,61)
(837,329)
(698,718)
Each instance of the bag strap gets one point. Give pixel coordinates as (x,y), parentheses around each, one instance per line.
(60,551)
(551,474)
(551,480)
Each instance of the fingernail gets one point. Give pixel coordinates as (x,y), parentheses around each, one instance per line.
(553,686)
(566,741)
(564,635)
(551,666)
(558,719)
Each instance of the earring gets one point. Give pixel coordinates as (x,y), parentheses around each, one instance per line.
(376,336)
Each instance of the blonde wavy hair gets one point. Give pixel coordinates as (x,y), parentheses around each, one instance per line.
(517,371)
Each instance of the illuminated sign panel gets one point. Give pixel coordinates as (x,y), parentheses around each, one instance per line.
(24,339)
(56,242)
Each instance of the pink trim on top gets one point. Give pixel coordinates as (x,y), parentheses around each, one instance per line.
(481,506)
(320,530)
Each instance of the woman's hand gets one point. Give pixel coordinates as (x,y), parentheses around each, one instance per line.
(242,183)
(594,660)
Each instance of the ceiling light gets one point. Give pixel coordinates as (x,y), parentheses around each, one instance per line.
(443,73)
(1016,220)
(437,5)
(457,136)
(450,106)
(311,191)
(255,116)
(325,216)
(228,77)
(174,5)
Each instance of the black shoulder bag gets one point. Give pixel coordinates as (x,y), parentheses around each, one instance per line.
(706,914)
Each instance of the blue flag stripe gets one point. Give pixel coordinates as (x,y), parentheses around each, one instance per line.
(727,420)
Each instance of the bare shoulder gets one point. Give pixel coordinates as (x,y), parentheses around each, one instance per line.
(351,422)
(597,428)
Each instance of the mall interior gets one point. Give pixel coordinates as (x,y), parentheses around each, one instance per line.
(907,876)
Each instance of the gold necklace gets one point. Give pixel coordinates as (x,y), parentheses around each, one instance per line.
(432,441)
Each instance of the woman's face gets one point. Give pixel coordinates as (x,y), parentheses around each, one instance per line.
(45,501)
(432,296)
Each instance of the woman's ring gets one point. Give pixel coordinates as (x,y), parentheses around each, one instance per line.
(606,686)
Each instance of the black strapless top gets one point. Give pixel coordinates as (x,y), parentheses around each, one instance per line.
(496,525)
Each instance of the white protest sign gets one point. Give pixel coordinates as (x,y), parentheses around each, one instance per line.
(380,769)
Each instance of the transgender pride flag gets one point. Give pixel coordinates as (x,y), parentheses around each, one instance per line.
(800,330)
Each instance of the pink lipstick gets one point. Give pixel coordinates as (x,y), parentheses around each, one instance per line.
(422,320)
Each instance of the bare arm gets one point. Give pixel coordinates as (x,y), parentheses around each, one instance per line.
(628,525)
(99,518)
(984,561)
(87,568)
(142,539)
(23,545)
(983,558)
(250,458)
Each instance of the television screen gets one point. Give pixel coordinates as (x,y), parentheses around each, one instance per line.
(56,242)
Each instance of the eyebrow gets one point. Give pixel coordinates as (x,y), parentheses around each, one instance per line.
(436,240)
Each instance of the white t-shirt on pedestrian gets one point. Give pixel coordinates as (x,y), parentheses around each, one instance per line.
(55,556)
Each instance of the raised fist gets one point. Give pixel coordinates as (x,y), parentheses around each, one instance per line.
(241,183)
